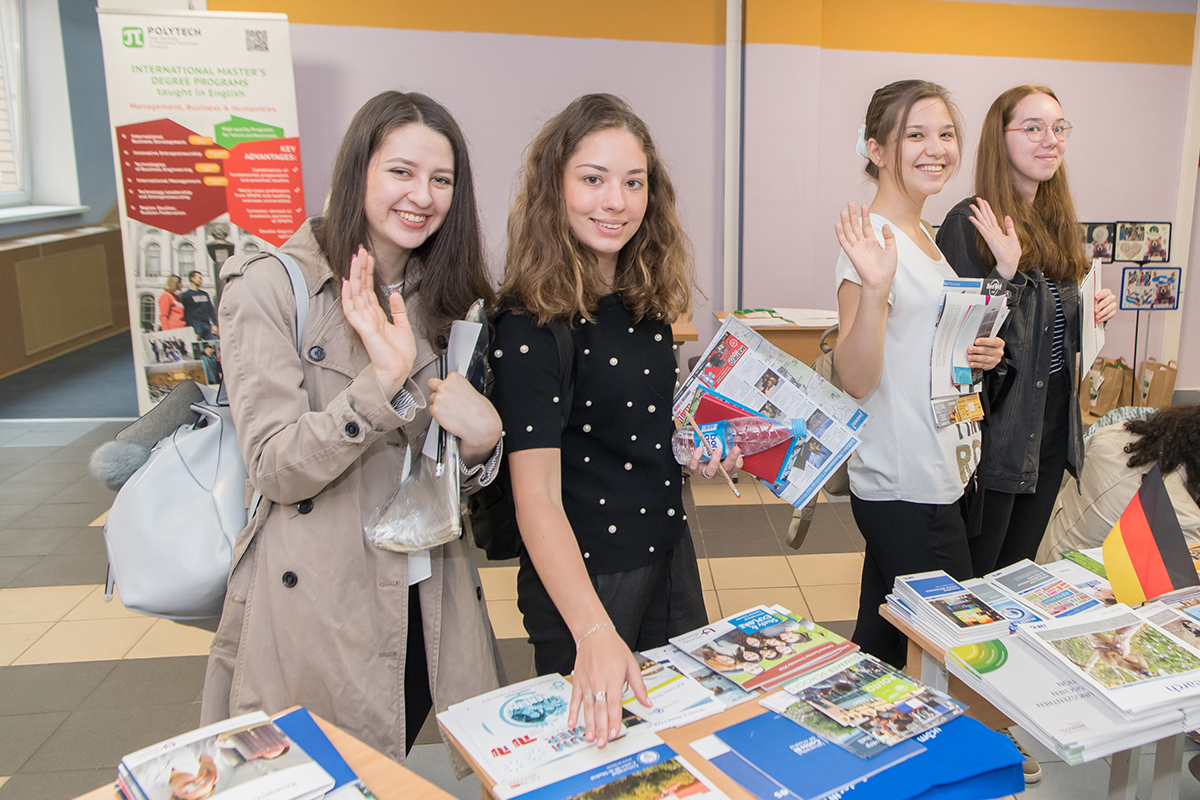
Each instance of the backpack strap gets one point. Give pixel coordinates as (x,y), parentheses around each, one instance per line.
(566,366)
(299,289)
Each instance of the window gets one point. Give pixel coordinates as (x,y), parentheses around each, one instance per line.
(152,260)
(14,161)
(146,309)
(187,259)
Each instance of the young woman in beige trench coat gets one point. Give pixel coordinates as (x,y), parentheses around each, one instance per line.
(316,614)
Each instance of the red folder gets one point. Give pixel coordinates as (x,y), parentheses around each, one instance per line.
(765,465)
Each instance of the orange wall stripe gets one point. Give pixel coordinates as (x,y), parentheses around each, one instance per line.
(901,26)
(681,21)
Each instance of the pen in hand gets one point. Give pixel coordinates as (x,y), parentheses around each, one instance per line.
(441,445)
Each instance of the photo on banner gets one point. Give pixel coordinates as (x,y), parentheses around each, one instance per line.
(206,137)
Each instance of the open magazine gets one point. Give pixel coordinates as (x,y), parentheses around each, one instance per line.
(743,368)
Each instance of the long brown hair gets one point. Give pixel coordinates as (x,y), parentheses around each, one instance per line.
(448,269)
(551,273)
(1048,229)
(887,114)
(1171,437)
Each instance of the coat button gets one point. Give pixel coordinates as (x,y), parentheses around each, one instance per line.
(289,579)
(441,342)
(304,506)
(1040,384)
(351,429)
(478,592)
(1032,436)
(316,352)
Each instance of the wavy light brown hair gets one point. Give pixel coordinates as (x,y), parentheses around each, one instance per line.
(549,272)
(448,269)
(1048,229)
(887,114)
(1171,437)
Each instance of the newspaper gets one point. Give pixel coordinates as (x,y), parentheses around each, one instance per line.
(732,367)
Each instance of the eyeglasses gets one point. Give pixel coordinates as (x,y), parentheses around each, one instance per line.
(1036,131)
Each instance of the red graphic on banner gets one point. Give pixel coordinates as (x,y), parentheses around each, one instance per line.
(172,177)
(266,190)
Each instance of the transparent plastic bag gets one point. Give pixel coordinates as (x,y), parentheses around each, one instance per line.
(424,511)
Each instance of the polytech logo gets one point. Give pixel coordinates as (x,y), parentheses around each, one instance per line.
(133,37)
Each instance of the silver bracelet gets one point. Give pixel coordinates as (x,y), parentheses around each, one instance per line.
(592,630)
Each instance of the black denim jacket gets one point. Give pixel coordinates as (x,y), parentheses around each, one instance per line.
(1015,391)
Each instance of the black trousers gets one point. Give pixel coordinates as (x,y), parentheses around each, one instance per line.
(902,538)
(418,701)
(647,606)
(1011,526)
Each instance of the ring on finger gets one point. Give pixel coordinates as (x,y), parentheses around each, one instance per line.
(587,696)
(600,695)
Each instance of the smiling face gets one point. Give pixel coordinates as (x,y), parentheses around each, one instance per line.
(605,192)
(928,150)
(410,184)
(1034,162)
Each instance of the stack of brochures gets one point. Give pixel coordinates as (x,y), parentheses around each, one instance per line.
(1058,708)
(951,612)
(244,758)
(763,648)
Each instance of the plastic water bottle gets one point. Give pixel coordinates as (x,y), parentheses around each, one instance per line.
(751,434)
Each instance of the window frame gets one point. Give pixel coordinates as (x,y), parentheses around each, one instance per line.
(12,55)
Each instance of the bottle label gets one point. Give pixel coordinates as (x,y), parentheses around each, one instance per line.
(713,433)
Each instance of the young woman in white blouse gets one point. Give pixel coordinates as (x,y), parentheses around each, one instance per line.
(907,476)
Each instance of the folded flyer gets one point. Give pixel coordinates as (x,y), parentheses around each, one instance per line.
(513,730)
(761,647)
(676,698)
(728,693)
(860,691)
(243,758)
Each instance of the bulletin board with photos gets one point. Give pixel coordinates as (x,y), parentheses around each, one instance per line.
(1150,288)
(1143,241)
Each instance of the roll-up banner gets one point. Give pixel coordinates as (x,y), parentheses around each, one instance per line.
(207,151)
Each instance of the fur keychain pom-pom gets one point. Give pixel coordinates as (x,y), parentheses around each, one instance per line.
(114,462)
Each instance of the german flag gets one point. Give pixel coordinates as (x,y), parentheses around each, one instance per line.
(1145,554)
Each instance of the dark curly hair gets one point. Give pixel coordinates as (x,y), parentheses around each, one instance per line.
(1175,430)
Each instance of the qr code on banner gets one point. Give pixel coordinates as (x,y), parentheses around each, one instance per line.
(256,41)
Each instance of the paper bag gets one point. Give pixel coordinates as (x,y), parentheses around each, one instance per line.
(1109,385)
(1157,384)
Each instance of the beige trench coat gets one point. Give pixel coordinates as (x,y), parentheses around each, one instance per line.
(315,614)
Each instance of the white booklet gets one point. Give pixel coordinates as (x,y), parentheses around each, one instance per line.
(1042,590)
(1131,662)
(966,315)
(243,758)
(726,692)
(1091,334)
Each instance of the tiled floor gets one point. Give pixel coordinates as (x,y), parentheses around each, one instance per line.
(82,682)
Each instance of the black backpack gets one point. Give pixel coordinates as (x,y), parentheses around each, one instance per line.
(492,512)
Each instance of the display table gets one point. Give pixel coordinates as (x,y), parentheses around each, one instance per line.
(801,342)
(682,330)
(383,776)
(926,662)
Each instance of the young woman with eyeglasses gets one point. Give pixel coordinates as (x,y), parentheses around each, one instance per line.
(1032,430)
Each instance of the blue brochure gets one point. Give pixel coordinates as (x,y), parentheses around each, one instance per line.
(302,729)
(805,764)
